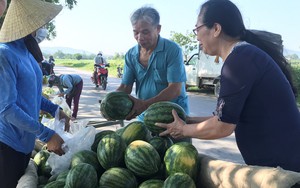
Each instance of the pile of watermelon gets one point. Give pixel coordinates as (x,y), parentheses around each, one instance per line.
(128,157)
(132,156)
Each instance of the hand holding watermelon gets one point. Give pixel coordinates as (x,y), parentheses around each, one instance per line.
(139,106)
(174,129)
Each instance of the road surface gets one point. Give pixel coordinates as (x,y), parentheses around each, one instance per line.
(200,105)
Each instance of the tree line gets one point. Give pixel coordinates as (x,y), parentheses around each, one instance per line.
(78,56)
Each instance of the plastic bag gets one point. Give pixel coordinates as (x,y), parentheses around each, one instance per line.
(57,125)
(63,104)
(80,137)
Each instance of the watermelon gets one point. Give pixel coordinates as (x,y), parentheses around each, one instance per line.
(179,179)
(118,177)
(98,137)
(182,157)
(55,184)
(116,105)
(161,112)
(161,144)
(120,131)
(40,159)
(110,152)
(135,130)
(82,175)
(152,183)
(59,177)
(62,176)
(142,158)
(52,178)
(87,156)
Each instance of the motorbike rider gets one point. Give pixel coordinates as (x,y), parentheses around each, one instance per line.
(99,60)
(51,62)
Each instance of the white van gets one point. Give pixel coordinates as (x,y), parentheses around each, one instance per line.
(204,70)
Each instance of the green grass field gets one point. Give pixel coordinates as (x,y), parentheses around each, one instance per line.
(88,65)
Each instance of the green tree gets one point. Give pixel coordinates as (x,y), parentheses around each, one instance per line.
(59,54)
(187,42)
(78,56)
(294,56)
(119,56)
(50,26)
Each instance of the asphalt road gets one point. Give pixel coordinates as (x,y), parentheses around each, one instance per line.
(200,105)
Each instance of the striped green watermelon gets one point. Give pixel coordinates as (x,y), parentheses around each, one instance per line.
(82,175)
(118,177)
(52,178)
(182,157)
(87,156)
(55,184)
(135,130)
(40,159)
(161,112)
(161,144)
(179,179)
(142,158)
(111,150)
(152,183)
(120,131)
(98,137)
(59,177)
(62,176)
(116,105)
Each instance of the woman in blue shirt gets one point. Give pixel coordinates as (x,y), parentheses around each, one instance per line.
(21,91)
(257,96)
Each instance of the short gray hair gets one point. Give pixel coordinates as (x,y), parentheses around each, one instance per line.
(147,14)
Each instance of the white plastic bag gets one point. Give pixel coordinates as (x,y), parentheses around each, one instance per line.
(63,104)
(57,125)
(80,137)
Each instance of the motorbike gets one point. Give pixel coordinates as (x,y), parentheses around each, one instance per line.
(120,71)
(100,74)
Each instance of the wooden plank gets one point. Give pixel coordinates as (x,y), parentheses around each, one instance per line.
(97,124)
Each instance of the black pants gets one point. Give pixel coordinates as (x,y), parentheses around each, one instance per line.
(12,166)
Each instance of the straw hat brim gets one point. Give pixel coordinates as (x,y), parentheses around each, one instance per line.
(25,16)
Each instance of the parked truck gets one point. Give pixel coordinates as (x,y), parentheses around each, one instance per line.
(203,70)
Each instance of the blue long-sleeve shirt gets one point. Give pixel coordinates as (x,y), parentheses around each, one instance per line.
(21,98)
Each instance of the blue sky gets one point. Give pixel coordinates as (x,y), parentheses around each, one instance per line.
(98,25)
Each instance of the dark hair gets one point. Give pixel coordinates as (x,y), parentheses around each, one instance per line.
(147,14)
(225,13)
(53,80)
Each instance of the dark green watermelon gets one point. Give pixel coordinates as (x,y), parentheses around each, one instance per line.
(98,137)
(117,177)
(161,112)
(179,180)
(116,105)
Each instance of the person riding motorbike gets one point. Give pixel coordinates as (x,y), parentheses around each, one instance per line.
(99,68)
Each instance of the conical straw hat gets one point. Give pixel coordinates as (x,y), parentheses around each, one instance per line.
(25,16)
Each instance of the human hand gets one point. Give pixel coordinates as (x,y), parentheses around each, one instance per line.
(137,109)
(173,129)
(61,95)
(63,115)
(55,144)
